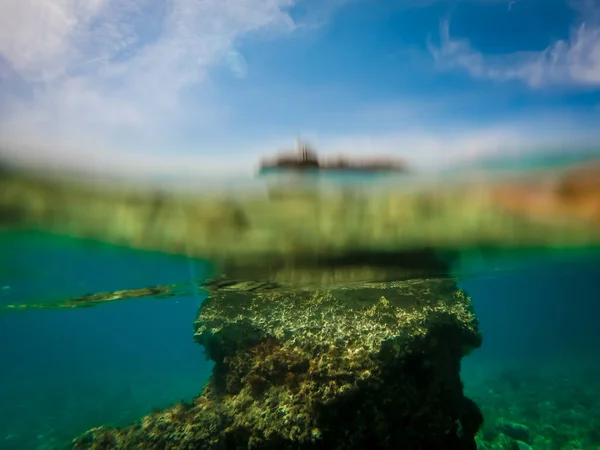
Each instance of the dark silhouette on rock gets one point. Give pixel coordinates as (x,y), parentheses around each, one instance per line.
(305,159)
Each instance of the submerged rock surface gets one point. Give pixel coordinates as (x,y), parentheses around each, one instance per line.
(367,365)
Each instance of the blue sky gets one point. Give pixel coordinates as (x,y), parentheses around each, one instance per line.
(185,86)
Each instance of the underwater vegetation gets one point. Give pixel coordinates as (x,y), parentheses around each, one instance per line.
(354,367)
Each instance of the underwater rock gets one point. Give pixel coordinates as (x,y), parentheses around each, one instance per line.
(516,431)
(524,446)
(481,445)
(503,442)
(368,365)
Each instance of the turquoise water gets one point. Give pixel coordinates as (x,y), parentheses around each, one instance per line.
(540,362)
(65,371)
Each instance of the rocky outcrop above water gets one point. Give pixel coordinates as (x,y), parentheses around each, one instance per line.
(366,365)
(306,159)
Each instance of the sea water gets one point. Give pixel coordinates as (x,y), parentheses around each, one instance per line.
(65,371)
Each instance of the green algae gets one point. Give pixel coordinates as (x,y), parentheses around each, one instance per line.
(323,368)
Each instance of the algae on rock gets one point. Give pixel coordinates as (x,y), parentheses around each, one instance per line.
(369,365)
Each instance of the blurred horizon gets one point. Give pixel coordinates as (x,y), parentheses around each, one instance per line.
(186,170)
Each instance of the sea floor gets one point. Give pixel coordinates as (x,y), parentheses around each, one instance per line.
(546,404)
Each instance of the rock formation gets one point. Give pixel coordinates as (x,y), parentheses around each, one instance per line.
(305,158)
(351,366)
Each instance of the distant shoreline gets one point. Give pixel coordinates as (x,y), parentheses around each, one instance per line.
(331,169)
(305,160)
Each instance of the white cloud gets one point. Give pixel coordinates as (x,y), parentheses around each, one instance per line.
(574,61)
(103,86)
(36,37)
(103,71)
